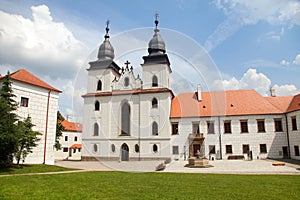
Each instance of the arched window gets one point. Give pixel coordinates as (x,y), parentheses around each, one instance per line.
(99,85)
(96,129)
(154,103)
(97,105)
(95,148)
(125,119)
(126,82)
(136,148)
(154,81)
(154,128)
(155,148)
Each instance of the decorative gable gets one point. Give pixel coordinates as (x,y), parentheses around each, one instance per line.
(127,80)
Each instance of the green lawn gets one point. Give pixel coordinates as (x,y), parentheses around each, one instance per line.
(25,169)
(122,185)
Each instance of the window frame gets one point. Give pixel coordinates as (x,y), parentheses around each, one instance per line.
(154,128)
(175,150)
(211,149)
(155,148)
(24,102)
(245,148)
(97,105)
(294,123)
(228,149)
(227,130)
(242,126)
(154,81)
(154,103)
(261,128)
(278,125)
(263,148)
(174,129)
(99,85)
(195,128)
(209,125)
(296,150)
(96,129)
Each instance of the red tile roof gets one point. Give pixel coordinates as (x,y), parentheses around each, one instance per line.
(26,77)
(76,146)
(227,103)
(295,104)
(72,126)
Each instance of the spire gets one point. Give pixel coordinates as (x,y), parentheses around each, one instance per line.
(156,44)
(106,51)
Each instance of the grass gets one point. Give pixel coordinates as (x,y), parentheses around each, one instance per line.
(25,169)
(122,185)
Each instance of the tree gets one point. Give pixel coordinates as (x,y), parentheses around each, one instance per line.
(8,119)
(59,129)
(27,139)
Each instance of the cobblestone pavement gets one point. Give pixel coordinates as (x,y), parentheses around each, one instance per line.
(219,166)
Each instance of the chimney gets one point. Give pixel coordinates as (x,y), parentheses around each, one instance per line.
(199,90)
(272,92)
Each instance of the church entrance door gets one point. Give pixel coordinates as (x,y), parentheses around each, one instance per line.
(124,152)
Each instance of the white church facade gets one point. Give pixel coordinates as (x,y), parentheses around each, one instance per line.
(129,118)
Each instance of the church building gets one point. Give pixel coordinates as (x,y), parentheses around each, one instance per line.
(128,117)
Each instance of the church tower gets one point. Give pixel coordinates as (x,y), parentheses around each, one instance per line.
(156,66)
(103,71)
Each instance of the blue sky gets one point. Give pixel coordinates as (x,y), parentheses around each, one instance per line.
(251,44)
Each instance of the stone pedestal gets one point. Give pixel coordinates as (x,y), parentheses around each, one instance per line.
(198,163)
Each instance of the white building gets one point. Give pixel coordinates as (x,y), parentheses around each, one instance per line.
(39,100)
(127,118)
(70,142)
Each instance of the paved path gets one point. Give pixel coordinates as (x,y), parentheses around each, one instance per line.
(219,166)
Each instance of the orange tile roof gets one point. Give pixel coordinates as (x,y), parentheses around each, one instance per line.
(281,102)
(76,146)
(26,77)
(226,103)
(72,126)
(295,104)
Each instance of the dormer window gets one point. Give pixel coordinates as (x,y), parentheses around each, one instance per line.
(154,103)
(99,85)
(154,81)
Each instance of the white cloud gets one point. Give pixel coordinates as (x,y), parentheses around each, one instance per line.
(250,80)
(245,12)
(285,90)
(41,44)
(297,60)
(284,62)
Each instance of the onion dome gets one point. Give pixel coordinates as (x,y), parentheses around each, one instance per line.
(156,44)
(106,51)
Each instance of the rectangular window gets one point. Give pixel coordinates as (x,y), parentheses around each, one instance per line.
(246,148)
(212,149)
(263,148)
(196,128)
(24,101)
(294,123)
(228,148)
(66,138)
(210,127)
(261,125)
(244,126)
(296,148)
(227,127)
(79,150)
(65,149)
(75,138)
(278,125)
(174,128)
(175,150)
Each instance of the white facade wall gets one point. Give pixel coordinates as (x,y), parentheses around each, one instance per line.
(60,154)
(37,110)
(294,135)
(274,140)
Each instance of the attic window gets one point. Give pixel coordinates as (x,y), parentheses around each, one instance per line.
(204,106)
(231,105)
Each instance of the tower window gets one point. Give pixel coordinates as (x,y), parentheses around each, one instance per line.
(136,148)
(154,103)
(99,85)
(96,129)
(155,148)
(95,148)
(97,106)
(154,128)
(113,148)
(154,81)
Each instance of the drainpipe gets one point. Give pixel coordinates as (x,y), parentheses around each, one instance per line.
(287,135)
(46,129)
(220,138)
